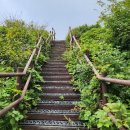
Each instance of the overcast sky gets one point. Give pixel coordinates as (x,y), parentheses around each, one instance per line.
(59,14)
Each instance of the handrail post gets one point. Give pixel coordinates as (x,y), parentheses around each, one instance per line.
(19,78)
(104,89)
(51,33)
(70,35)
(87,53)
(54,35)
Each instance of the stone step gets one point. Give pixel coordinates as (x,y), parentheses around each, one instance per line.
(60,96)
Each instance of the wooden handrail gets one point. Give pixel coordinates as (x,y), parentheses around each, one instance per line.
(106,79)
(14,74)
(31,57)
(101,78)
(16,102)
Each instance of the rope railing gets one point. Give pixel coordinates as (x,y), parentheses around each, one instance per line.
(101,78)
(19,74)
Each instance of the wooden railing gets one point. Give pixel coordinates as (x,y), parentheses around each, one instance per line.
(23,72)
(100,77)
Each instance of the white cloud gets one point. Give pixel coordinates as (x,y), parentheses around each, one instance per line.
(57,13)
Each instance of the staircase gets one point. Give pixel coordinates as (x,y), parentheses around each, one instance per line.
(56,110)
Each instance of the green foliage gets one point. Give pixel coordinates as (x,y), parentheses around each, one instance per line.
(61,97)
(122,116)
(17,40)
(106,59)
(10,120)
(117,18)
(78,31)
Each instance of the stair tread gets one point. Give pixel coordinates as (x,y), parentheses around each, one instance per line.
(55,76)
(59,102)
(48,111)
(60,94)
(64,73)
(52,123)
(58,81)
(55,87)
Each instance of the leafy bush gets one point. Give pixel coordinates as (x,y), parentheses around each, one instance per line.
(116,18)
(106,59)
(17,40)
(78,31)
